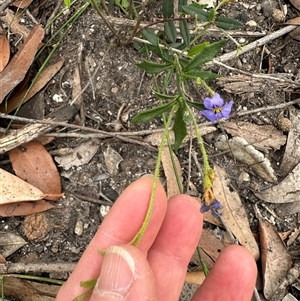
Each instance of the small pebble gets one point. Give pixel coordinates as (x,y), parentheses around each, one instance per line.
(78,228)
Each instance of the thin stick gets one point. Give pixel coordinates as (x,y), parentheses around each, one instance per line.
(274,35)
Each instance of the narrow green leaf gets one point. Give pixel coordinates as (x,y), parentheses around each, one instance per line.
(185,32)
(205,75)
(180,4)
(150,36)
(153,68)
(195,50)
(67,3)
(164,54)
(170,31)
(167,78)
(164,96)
(211,14)
(168,8)
(194,11)
(179,127)
(88,283)
(196,105)
(147,115)
(206,55)
(228,23)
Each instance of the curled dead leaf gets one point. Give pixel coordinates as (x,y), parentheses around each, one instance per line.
(246,153)
(5,52)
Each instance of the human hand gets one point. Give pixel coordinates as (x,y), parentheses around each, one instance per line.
(156,269)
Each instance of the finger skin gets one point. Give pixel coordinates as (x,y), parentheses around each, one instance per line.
(119,227)
(173,248)
(141,288)
(231,279)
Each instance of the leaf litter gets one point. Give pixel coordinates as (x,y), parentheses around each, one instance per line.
(33,164)
(5,52)
(233,212)
(244,152)
(17,68)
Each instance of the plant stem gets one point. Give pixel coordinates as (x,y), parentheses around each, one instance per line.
(137,239)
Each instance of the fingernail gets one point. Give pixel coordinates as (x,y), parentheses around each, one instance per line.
(117,274)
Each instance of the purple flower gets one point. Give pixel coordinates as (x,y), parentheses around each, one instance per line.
(216,108)
(215,206)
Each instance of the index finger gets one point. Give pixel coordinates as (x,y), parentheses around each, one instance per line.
(119,227)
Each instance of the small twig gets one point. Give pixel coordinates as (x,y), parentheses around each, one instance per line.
(220,216)
(275,77)
(35,268)
(4,6)
(231,55)
(107,201)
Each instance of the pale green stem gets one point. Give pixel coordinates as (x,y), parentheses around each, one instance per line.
(137,239)
(207,170)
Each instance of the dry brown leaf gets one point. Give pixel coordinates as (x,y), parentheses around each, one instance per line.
(195,277)
(25,290)
(234,212)
(296,3)
(81,155)
(291,156)
(285,192)
(24,208)
(13,189)
(294,21)
(246,153)
(32,163)
(17,68)
(10,243)
(172,186)
(22,4)
(14,101)
(5,52)
(262,137)
(275,259)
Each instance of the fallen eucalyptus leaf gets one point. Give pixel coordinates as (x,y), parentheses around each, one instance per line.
(10,243)
(81,154)
(275,259)
(286,191)
(262,137)
(17,68)
(234,212)
(291,155)
(246,153)
(13,189)
(33,164)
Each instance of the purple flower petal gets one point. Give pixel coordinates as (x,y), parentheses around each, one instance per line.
(217,100)
(227,109)
(210,115)
(204,208)
(207,103)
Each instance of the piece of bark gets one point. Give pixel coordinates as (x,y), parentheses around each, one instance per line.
(32,131)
